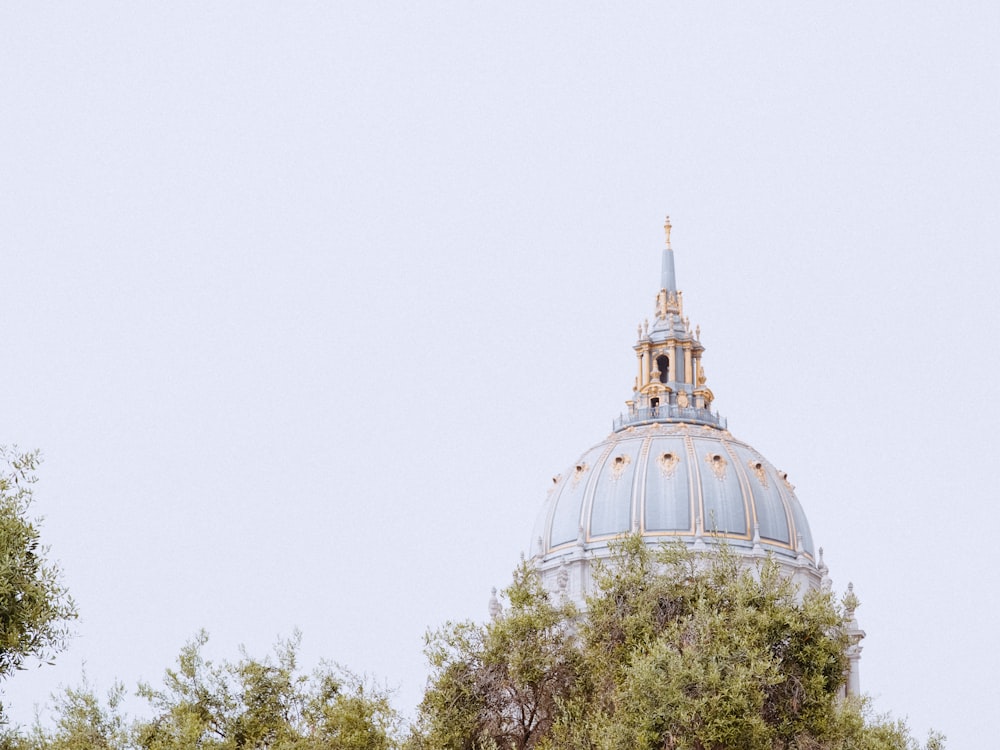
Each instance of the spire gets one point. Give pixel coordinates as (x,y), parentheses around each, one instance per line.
(667,278)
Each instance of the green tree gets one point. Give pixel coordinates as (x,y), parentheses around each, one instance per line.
(676,651)
(83,721)
(500,684)
(35,606)
(710,653)
(691,651)
(263,704)
(260,704)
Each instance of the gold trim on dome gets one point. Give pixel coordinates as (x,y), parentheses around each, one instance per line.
(718,463)
(757,467)
(682,399)
(618,465)
(668,464)
(784,478)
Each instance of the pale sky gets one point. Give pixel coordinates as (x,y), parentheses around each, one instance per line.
(305,303)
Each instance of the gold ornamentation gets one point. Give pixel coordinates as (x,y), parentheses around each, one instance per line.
(757,467)
(658,427)
(718,464)
(682,399)
(668,464)
(784,478)
(701,374)
(666,228)
(578,472)
(618,465)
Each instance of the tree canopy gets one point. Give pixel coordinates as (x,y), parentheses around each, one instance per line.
(269,703)
(35,606)
(676,650)
(247,704)
(503,682)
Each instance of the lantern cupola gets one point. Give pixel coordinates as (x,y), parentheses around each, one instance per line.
(670,385)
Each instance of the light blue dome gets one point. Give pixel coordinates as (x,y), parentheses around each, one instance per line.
(670,479)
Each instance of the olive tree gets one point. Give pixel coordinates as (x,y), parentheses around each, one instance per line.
(676,650)
(706,652)
(247,704)
(35,606)
(500,685)
(263,704)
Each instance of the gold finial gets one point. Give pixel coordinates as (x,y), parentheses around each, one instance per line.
(666,228)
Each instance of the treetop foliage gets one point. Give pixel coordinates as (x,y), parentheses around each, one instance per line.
(676,651)
(35,607)
(258,704)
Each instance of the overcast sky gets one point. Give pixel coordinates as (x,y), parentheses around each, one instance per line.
(305,303)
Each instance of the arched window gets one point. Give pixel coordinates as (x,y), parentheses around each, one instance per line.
(663,365)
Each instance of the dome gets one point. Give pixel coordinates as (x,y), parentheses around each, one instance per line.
(670,470)
(673,480)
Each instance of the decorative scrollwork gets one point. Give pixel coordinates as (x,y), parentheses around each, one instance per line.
(718,463)
(757,467)
(668,464)
(618,464)
(784,478)
(562,578)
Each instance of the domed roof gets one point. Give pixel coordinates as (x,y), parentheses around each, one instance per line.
(667,480)
(670,469)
